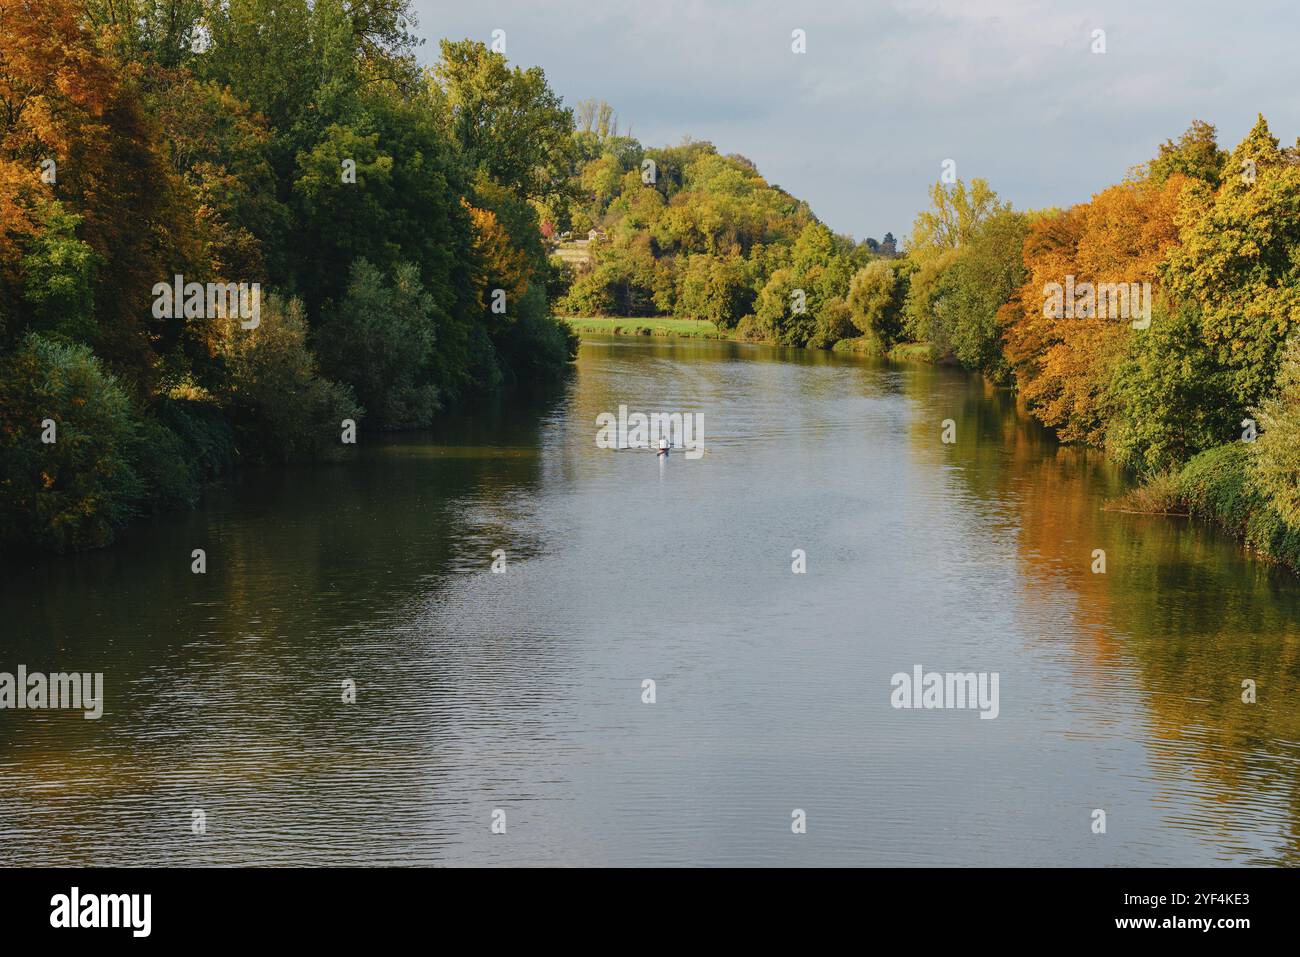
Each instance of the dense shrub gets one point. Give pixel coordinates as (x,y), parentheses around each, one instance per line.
(201,425)
(169,478)
(860,345)
(182,444)
(1217,486)
(1214,485)
(536,345)
(834,322)
(281,407)
(588,295)
(380,341)
(559,278)
(78,490)
(753,329)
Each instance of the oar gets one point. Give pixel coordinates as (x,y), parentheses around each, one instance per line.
(650,448)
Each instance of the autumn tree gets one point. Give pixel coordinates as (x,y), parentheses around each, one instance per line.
(1062,359)
(502,273)
(63,101)
(1238,260)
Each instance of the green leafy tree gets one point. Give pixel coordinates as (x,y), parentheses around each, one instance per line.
(1275,454)
(1238,260)
(380,341)
(282,408)
(508,122)
(58,276)
(834,322)
(221,151)
(1196,154)
(717,289)
(955,214)
(988,272)
(405,205)
(777,310)
(876,296)
(1167,398)
(927,300)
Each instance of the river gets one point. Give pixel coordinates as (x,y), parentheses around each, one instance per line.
(522,691)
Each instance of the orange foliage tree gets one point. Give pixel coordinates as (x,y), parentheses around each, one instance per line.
(500,265)
(1061,360)
(63,99)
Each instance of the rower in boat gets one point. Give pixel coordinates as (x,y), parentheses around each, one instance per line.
(663,445)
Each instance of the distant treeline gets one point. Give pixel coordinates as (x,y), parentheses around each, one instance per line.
(1156,320)
(388,215)
(684,231)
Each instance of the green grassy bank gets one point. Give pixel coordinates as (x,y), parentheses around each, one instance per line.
(703,329)
(645,326)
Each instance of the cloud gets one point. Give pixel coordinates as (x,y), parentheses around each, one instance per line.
(859,125)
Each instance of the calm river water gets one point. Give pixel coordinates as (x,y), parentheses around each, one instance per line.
(522,691)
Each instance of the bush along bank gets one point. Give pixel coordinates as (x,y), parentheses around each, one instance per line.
(1218,486)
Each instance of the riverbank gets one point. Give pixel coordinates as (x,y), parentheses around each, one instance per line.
(645,326)
(703,329)
(899,352)
(1216,486)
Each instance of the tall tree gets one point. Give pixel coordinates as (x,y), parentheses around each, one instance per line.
(955,213)
(1238,260)
(1195,155)
(63,102)
(508,122)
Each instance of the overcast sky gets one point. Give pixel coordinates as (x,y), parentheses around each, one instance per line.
(888,89)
